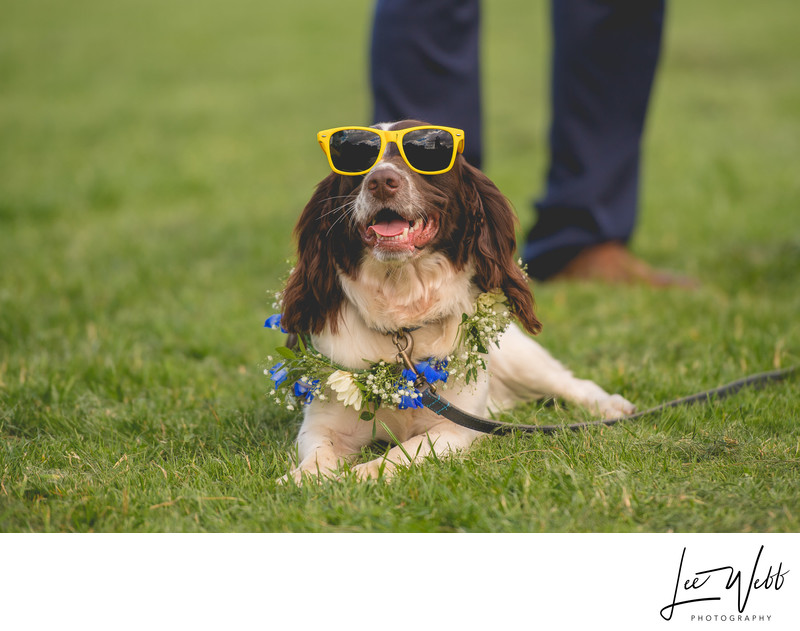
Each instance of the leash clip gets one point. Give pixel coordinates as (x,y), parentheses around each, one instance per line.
(405,345)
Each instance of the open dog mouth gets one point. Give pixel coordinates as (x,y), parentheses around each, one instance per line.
(390,231)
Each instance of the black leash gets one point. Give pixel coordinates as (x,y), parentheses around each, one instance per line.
(443,407)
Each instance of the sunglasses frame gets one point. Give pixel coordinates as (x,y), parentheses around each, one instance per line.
(387,136)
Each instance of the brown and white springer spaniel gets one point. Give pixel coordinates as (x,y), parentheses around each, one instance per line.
(353,285)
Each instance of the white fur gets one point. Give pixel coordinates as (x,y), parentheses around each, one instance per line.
(422,290)
(427,292)
(406,201)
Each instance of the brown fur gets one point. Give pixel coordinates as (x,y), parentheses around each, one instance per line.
(477,224)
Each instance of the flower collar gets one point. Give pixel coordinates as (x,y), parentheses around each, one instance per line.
(304,373)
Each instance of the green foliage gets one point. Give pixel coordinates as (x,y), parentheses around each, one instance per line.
(154,160)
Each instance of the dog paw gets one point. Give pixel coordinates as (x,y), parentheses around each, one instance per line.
(296,475)
(614,406)
(300,475)
(373,470)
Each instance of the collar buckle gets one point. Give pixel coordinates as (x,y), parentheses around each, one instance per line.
(405,346)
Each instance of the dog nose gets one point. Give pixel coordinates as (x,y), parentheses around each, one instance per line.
(383,183)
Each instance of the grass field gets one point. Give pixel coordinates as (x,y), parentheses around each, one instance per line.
(154,158)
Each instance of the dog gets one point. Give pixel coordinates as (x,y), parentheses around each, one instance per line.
(406,237)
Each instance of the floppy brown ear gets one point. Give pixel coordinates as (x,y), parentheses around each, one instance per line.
(493,244)
(313,296)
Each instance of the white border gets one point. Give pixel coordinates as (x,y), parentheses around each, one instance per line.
(332,581)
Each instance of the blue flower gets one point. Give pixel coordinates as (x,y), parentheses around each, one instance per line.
(408,375)
(405,388)
(274,322)
(407,401)
(433,370)
(278,374)
(305,390)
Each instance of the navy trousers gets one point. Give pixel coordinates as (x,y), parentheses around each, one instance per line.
(425,65)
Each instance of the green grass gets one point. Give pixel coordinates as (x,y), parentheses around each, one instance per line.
(154,159)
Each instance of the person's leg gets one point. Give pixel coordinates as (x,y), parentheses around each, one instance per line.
(604,59)
(425,65)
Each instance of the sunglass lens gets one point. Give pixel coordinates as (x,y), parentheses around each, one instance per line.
(428,149)
(354,150)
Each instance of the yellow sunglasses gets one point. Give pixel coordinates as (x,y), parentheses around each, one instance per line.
(426,149)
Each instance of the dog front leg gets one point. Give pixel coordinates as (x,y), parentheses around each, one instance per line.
(441,439)
(329,436)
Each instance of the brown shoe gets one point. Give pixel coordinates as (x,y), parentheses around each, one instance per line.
(612,263)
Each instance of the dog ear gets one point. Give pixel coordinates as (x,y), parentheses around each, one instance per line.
(493,243)
(313,296)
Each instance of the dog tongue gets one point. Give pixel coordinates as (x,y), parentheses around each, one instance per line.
(389,228)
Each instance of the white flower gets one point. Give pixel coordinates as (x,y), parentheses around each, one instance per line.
(485,300)
(339,380)
(352,397)
(489,299)
(344,385)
